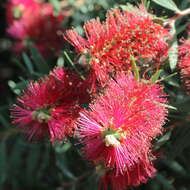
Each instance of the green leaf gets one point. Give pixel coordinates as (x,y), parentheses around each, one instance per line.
(165,182)
(168,4)
(17,87)
(173,51)
(39,62)
(180,29)
(28,63)
(19,64)
(165,138)
(131,8)
(168,77)
(155,77)
(175,167)
(147,4)
(61,162)
(135,68)
(60,62)
(127,7)
(167,106)
(37,74)
(173,55)
(73,65)
(60,147)
(56,6)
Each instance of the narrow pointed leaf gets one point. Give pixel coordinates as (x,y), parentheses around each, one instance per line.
(173,51)
(156,76)
(135,68)
(39,62)
(168,4)
(165,182)
(28,63)
(60,62)
(168,77)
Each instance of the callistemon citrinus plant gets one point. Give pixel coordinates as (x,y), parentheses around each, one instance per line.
(105,102)
(109,45)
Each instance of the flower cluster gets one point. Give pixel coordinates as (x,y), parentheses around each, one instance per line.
(111,44)
(113,111)
(51,105)
(33,21)
(184,63)
(118,130)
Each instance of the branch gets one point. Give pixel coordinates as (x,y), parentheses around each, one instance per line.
(179,14)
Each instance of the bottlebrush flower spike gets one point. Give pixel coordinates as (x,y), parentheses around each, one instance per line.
(118,129)
(47,108)
(42,28)
(184,63)
(111,44)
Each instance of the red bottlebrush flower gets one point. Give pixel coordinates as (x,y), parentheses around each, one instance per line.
(47,108)
(118,129)
(140,173)
(184,63)
(111,44)
(17,9)
(82,88)
(42,28)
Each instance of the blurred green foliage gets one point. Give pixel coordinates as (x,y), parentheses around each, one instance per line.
(26,165)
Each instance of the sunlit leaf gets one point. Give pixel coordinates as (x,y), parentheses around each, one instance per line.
(168,4)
